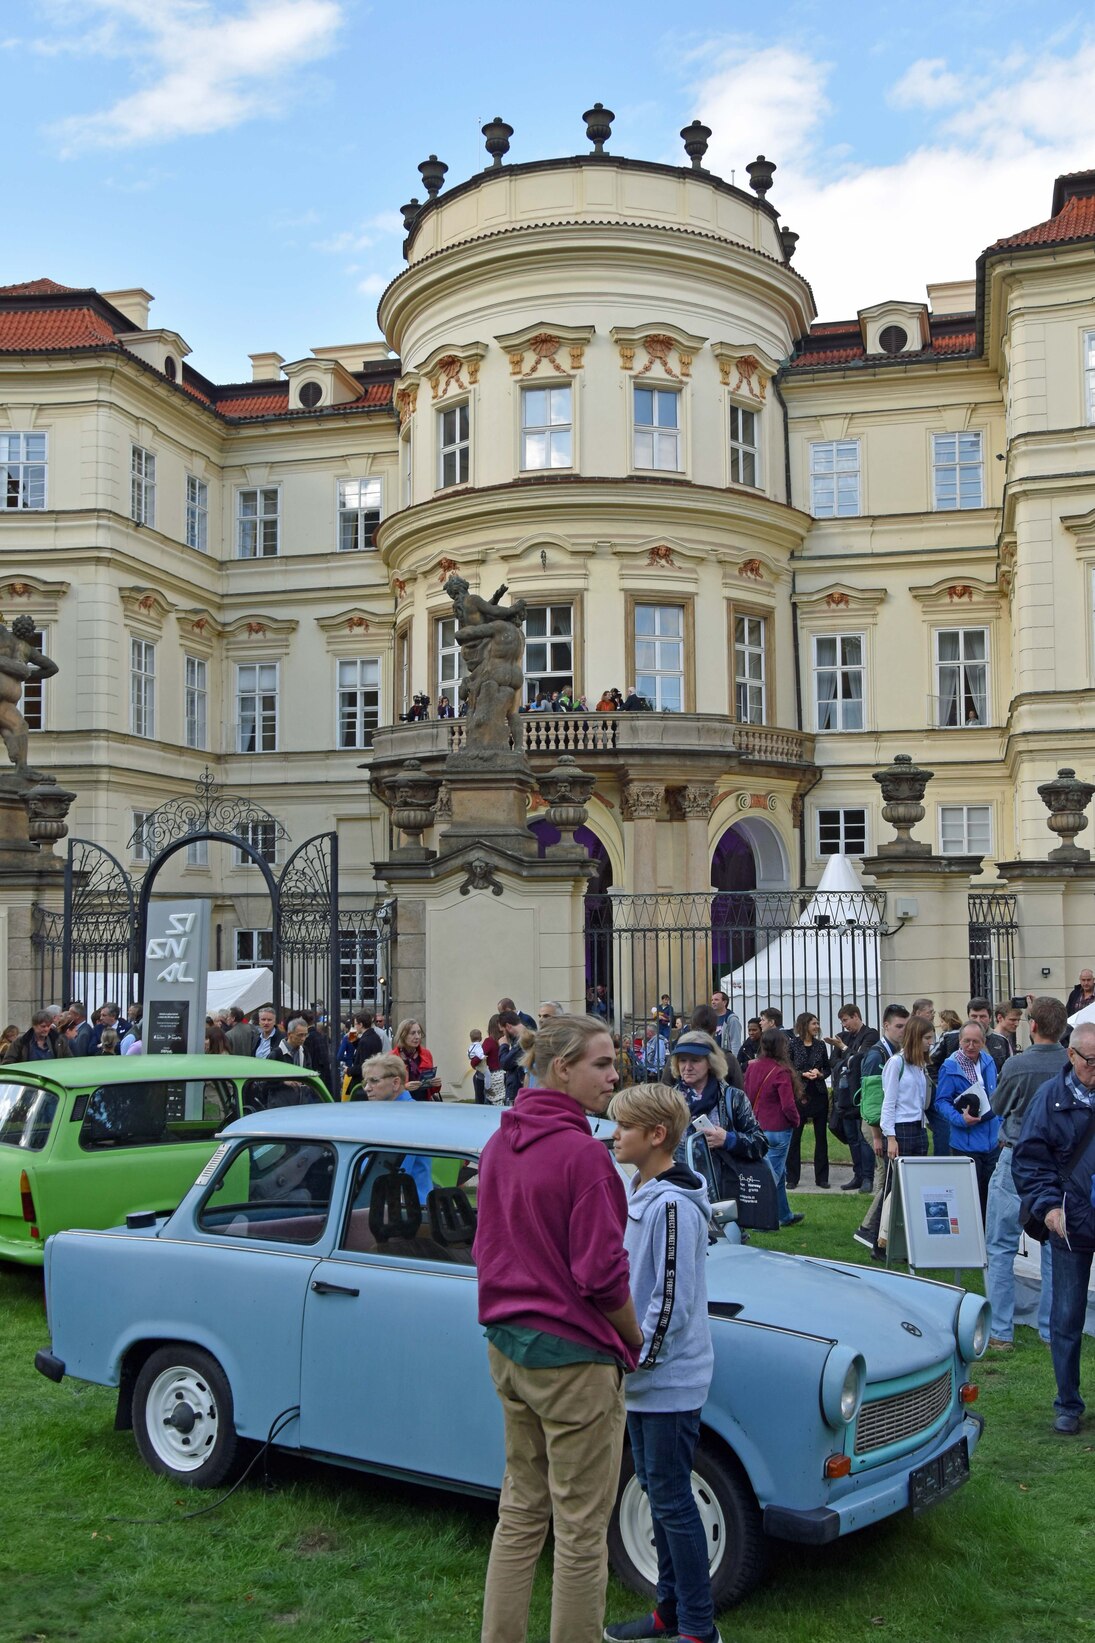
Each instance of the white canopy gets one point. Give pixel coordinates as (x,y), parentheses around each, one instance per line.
(245,988)
(1086,1014)
(829,957)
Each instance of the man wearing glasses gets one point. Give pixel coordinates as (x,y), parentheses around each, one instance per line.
(1053,1164)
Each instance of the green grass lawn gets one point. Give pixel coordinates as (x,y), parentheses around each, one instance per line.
(336,1557)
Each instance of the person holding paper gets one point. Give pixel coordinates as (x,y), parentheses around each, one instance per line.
(963,1094)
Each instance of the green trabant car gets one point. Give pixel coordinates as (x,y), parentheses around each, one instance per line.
(87,1141)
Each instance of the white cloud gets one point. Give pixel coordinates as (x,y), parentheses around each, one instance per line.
(994,141)
(373,284)
(769,101)
(208,68)
(364,235)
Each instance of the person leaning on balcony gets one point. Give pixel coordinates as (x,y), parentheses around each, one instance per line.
(607,703)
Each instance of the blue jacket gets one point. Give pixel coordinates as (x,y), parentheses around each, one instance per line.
(982,1136)
(1053,1127)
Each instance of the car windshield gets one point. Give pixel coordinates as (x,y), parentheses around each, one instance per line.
(26,1113)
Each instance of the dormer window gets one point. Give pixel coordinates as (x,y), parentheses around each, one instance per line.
(310,394)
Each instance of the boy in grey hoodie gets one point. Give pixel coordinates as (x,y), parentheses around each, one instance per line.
(666,1241)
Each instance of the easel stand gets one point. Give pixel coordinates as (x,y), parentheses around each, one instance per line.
(935,1218)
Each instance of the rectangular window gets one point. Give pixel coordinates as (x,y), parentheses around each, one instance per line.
(834,478)
(142,486)
(196,701)
(358,702)
(261,836)
(1089,376)
(547,428)
(744,446)
(549,650)
(657,428)
(32,703)
(750,669)
(138,838)
(453,446)
(842,832)
(257,523)
(959,471)
(358,514)
(197,853)
(961,676)
(447,1212)
(23,470)
(239,1199)
(406,450)
(257,707)
(839,678)
(357,968)
(197,513)
(403,672)
(142,687)
(254,949)
(965,829)
(449,667)
(659,656)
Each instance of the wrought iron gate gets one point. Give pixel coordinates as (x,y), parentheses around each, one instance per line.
(992,931)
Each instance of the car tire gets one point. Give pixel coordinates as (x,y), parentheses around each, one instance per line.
(183,1418)
(730,1517)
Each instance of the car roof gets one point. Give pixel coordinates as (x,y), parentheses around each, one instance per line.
(414,1125)
(79,1071)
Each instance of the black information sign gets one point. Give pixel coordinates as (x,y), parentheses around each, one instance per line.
(166,1027)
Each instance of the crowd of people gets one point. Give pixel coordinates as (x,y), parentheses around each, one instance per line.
(563,700)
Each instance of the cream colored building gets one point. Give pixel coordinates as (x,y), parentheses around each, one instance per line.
(602,382)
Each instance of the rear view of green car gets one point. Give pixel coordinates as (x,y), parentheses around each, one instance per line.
(87,1141)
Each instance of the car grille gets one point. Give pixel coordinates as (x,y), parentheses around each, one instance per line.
(901,1415)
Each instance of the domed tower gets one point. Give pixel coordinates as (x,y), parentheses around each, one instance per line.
(588,414)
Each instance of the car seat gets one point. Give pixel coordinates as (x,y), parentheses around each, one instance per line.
(452,1219)
(394,1210)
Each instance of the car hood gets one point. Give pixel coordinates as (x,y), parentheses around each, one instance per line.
(838,1303)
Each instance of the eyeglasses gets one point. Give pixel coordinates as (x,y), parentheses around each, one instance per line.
(1088,1060)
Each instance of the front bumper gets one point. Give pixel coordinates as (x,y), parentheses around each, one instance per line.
(49,1366)
(867,1500)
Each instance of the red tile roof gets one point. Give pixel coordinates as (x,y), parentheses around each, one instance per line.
(959,342)
(277,403)
(1074,221)
(35,288)
(34,330)
(946,343)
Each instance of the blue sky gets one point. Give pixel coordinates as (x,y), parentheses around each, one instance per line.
(244,160)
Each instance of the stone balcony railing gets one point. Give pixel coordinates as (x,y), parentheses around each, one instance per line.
(599,738)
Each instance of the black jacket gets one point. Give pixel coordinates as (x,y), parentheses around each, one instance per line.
(509,1062)
(1055,1123)
(1076,1000)
(313,1062)
(848,1069)
(20,1047)
(369,1044)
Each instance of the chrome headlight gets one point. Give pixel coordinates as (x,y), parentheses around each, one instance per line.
(971,1327)
(842,1383)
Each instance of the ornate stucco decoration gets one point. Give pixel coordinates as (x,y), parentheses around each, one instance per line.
(693,801)
(840,600)
(445,569)
(659,343)
(751,568)
(201,627)
(399,587)
(452,366)
(976,595)
(745,369)
(344,629)
(545,344)
(145,609)
(480,877)
(837,600)
(406,402)
(267,636)
(661,554)
(642,801)
(756,801)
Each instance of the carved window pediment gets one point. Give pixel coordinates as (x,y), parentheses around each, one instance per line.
(659,348)
(453,366)
(561,348)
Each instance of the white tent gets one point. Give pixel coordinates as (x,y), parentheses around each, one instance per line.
(245,988)
(829,957)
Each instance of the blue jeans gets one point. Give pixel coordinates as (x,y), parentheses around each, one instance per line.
(940,1127)
(662,1446)
(1002,1242)
(1071,1271)
(862,1153)
(778,1143)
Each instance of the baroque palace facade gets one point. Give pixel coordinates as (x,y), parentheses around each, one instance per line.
(601,381)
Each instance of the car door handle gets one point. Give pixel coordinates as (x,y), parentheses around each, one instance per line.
(322,1288)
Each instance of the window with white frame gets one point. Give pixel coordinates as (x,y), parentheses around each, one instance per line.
(197,513)
(142,687)
(358,514)
(357,968)
(23,470)
(138,835)
(842,832)
(659,656)
(549,650)
(258,522)
(403,672)
(834,478)
(453,446)
(406,455)
(750,669)
(450,669)
(257,707)
(657,431)
(32,702)
(744,446)
(958,471)
(358,701)
(142,486)
(1089,376)
(961,676)
(254,949)
(547,428)
(197,853)
(965,829)
(839,681)
(262,836)
(196,701)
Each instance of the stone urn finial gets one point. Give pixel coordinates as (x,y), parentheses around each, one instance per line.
(761,171)
(903,784)
(598,121)
(1066,799)
(433,171)
(696,138)
(47,812)
(497,134)
(566,788)
(411,795)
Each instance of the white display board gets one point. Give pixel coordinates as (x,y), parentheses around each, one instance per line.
(935,1220)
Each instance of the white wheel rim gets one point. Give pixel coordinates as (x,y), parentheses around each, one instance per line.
(637,1532)
(181,1418)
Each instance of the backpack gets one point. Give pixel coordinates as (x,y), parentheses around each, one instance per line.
(870,1094)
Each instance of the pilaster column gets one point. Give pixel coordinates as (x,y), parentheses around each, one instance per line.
(692,805)
(642,803)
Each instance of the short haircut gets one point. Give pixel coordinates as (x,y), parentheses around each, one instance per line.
(297,1021)
(39,1016)
(1049,1016)
(551,1004)
(922,1004)
(645,1105)
(236,1013)
(475,1036)
(717,992)
(263,1007)
(978,1004)
(384,1065)
(506,1004)
(754,1021)
(895,1012)
(705,1017)
(849,1009)
(1005,1008)
(510,1018)
(1085,1030)
(775,1016)
(976,1027)
(364,1019)
(564,1038)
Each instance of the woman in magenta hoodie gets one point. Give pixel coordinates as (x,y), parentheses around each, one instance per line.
(773,1085)
(555,1302)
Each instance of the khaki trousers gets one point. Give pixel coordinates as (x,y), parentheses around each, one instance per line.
(564,1438)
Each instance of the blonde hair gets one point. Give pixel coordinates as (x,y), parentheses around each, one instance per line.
(562,1038)
(384,1066)
(715,1058)
(645,1105)
(400,1039)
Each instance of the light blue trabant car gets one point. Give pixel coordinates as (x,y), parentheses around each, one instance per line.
(323,1257)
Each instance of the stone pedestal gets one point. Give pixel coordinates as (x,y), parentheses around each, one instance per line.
(489,801)
(1056,912)
(927,910)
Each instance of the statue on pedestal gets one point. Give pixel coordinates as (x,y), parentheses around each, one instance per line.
(492,645)
(21,663)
